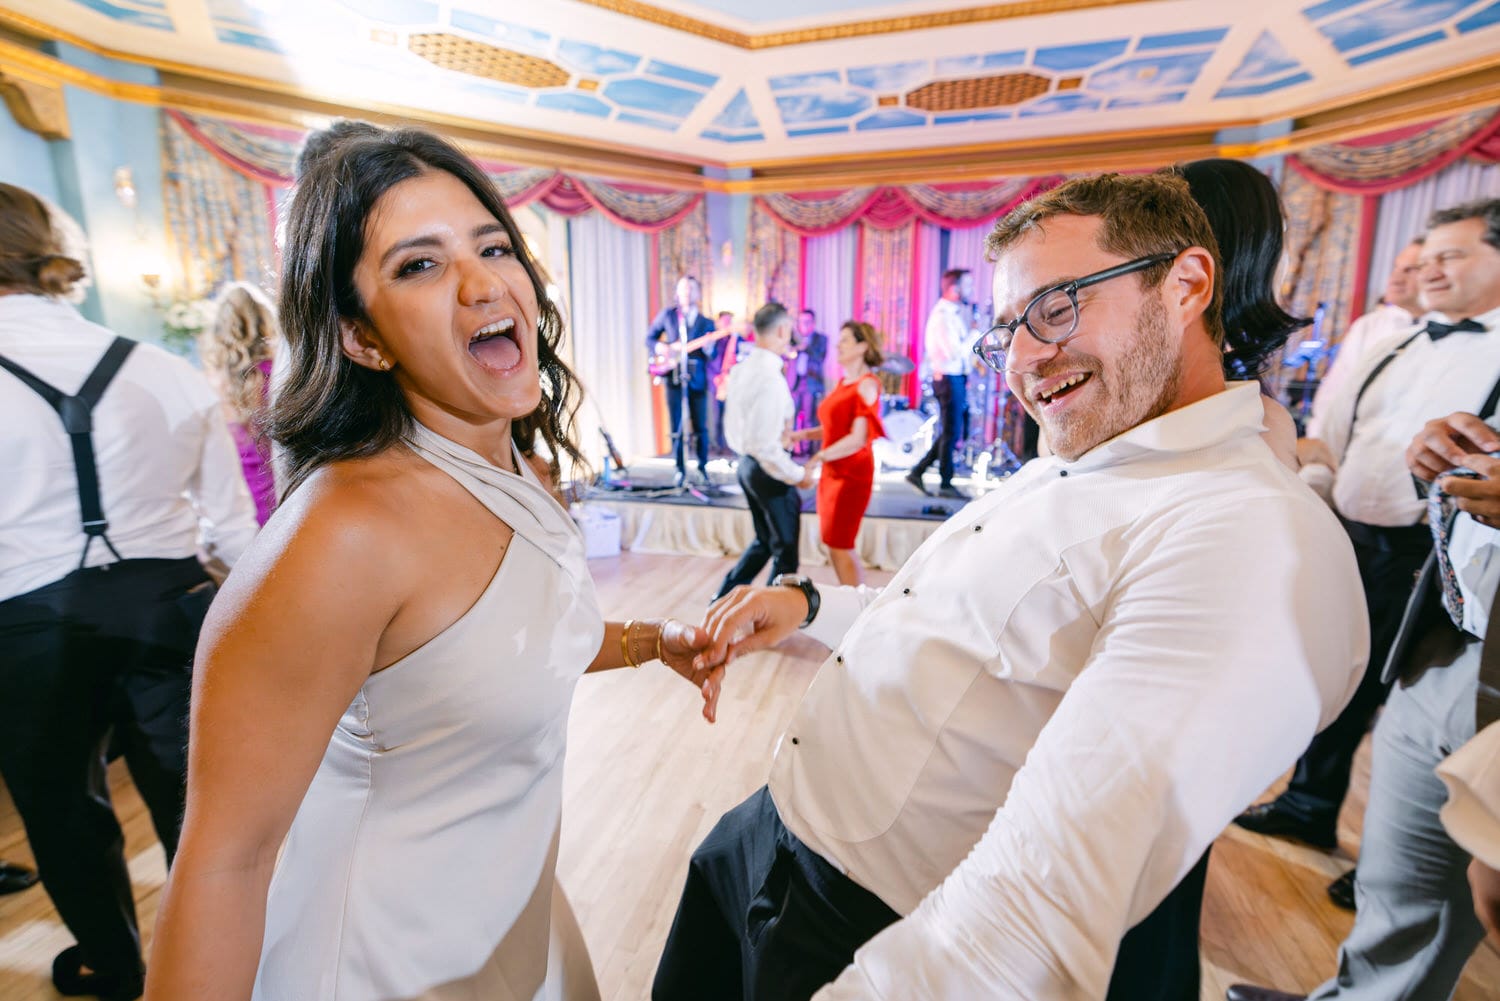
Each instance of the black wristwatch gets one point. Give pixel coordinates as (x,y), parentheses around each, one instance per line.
(809,591)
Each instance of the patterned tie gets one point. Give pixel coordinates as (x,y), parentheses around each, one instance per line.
(1442,512)
(1436,331)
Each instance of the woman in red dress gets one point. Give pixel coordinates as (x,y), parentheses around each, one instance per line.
(849,423)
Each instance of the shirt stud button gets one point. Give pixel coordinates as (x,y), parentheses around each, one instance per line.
(839,659)
(795,740)
(978,528)
(1062,472)
(906,590)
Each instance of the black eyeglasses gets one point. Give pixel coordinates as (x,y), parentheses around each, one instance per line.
(1052,315)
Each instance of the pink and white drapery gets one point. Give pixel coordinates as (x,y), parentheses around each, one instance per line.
(957,205)
(224,177)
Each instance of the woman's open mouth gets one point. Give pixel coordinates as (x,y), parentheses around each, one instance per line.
(494,346)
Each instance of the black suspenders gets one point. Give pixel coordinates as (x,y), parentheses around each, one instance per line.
(77,413)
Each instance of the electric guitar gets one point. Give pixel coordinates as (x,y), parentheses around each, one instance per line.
(667,355)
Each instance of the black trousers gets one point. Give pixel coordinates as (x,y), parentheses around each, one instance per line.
(697,400)
(1389,560)
(952,393)
(764,918)
(776,513)
(102,651)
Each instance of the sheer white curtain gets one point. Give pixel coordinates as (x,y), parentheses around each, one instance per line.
(830,286)
(611,312)
(1403,214)
(966,250)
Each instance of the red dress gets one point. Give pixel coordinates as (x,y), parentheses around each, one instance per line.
(845,487)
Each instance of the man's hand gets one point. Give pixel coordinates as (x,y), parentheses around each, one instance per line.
(749,619)
(1315,452)
(1447,442)
(681,645)
(1485,882)
(1479,498)
(806,483)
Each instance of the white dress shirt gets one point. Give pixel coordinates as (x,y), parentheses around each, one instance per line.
(1472,773)
(1425,381)
(757,407)
(168,468)
(1472,813)
(1378,328)
(1027,738)
(948,339)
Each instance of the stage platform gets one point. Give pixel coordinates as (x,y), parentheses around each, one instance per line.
(657,518)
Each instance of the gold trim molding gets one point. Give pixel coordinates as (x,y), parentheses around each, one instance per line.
(1455,89)
(850,29)
(38,107)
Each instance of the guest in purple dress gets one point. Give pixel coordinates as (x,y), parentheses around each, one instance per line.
(236,352)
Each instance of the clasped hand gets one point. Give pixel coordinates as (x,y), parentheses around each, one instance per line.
(1460,439)
(745,620)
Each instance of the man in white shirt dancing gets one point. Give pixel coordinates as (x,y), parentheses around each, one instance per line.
(946,343)
(101,595)
(758,409)
(1017,749)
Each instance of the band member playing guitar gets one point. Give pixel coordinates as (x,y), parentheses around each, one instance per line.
(684,372)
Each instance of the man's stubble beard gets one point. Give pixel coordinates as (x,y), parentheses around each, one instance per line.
(1141,388)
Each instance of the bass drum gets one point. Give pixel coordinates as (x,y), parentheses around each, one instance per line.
(908,436)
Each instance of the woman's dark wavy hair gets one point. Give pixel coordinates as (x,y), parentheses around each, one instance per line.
(1245,213)
(326,407)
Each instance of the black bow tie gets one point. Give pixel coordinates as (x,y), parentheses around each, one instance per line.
(1437,331)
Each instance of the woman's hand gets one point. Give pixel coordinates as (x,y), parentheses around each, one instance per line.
(680,646)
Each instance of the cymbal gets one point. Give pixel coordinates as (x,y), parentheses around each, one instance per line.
(897,365)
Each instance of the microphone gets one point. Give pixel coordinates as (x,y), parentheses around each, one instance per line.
(614,453)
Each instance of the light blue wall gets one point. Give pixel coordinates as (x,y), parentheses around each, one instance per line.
(26,159)
(106,135)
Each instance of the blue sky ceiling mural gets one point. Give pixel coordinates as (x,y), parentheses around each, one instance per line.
(578,72)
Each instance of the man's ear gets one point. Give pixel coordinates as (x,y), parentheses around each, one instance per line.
(1190,285)
(361,347)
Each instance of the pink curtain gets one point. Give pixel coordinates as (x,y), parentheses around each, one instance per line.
(1387,161)
(266,155)
(958,205)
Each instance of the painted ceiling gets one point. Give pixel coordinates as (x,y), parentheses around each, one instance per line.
(806,78)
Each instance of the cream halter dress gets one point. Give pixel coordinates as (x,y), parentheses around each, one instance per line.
(420,864)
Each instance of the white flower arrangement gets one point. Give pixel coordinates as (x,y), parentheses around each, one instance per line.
(183,321)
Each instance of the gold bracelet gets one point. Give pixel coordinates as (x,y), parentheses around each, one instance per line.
(661,628)
(625,644)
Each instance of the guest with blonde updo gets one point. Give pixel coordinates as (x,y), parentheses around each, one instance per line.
(236,352)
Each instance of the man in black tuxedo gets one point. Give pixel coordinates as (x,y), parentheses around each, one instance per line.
(679,324)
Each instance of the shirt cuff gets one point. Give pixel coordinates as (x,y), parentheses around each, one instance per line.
(840,606)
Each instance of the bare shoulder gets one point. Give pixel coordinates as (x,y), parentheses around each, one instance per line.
(869,391)
(342,530)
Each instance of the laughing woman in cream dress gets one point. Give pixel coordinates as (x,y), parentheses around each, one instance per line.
(384,682)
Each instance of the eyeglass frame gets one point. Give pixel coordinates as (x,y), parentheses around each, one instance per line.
(1071,288)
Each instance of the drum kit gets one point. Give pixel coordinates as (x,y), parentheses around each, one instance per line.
(993,415)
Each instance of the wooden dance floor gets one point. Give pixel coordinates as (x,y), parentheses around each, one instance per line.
(647,778)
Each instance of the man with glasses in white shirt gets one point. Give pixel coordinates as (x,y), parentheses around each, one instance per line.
(1017,748)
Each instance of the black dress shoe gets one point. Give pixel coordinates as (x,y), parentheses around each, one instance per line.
(1248,992)
(949,490)
(15,878)
(1274,822)
(915,479)
(1341,891)
(70,980)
